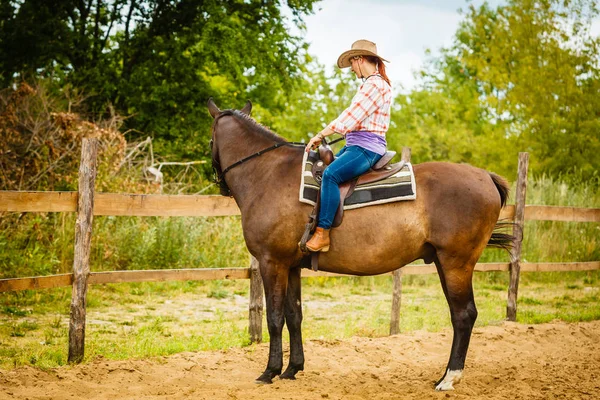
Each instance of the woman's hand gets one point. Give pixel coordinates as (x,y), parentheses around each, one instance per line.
(318,138)
(314,142)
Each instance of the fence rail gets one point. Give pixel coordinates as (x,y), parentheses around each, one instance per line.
(207,274)
(91,204)
(162,205)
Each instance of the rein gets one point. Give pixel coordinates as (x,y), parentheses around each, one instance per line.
(219,176)
(259,153)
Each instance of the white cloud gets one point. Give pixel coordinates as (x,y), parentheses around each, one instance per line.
(402,30)
(595,28)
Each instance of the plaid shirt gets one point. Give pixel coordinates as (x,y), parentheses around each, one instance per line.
(369,111)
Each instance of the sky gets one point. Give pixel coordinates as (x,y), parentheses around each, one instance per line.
(402,29)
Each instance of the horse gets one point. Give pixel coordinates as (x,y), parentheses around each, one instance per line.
(452,220)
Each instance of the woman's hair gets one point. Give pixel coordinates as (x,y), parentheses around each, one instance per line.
(380,67)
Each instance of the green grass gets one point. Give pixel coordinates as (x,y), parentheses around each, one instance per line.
(140,320)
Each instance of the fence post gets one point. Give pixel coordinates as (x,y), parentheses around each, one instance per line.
(256,302)
(515,265)
(397,291)
(83,238)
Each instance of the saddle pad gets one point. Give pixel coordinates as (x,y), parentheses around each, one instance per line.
(400,186)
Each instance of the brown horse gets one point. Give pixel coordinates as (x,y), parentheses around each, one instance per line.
(450,223)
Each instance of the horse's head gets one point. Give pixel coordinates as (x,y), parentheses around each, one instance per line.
(216,113)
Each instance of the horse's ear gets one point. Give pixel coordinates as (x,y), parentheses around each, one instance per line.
(247,108)
(212,108)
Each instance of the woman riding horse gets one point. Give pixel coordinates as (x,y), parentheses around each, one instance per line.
(364,124)
(450,223)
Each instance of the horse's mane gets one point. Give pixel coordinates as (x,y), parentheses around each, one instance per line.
(251,124)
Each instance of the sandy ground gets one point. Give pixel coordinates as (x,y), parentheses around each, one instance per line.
(511,361)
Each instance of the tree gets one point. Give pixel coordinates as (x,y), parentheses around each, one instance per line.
(313,102)
(537,68)
(521,77)
(158,61)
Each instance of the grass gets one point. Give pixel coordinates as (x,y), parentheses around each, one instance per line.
(139,320)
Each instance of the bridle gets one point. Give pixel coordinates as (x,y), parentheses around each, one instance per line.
(219,173)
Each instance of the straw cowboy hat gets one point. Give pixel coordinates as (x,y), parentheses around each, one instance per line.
(359,48)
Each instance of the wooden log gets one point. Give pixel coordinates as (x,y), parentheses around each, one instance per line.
(37,282)
(38,201)
(165,205)
(568,214)
(163,275)
(119,204)
(561,267)
(427,269)
(487,267)
(515,265)
(508,212)
(397,281)
(396,302)
(256,302)
(83,237)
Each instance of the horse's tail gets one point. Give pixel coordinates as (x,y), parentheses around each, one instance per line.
(502,186)
(500,237)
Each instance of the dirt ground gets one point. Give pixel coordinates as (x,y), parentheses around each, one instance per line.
(510,361)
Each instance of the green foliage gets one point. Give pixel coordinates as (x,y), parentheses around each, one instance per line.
(521,77)
(439,126)
(312,103)
(536,66)
(563,191)
(42,244)
(158,61)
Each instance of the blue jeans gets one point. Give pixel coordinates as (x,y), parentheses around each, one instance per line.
(351,162)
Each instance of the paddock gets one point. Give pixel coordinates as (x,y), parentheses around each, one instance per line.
(509,358)
(516,361)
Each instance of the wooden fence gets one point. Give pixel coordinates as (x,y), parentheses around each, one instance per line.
(87,203)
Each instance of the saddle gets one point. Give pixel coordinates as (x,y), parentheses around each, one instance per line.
(381,170)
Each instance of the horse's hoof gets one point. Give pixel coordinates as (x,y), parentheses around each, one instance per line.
(289,374)
(291,371)
(265,378)
(448,381)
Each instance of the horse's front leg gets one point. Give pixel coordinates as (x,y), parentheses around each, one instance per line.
(275,281)
(293,319)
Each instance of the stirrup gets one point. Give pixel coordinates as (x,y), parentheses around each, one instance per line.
(314,261)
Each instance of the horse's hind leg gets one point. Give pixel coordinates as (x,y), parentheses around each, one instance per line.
(456,277)
(275,281)
(293,319)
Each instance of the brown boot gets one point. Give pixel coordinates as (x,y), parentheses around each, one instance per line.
(319,241)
